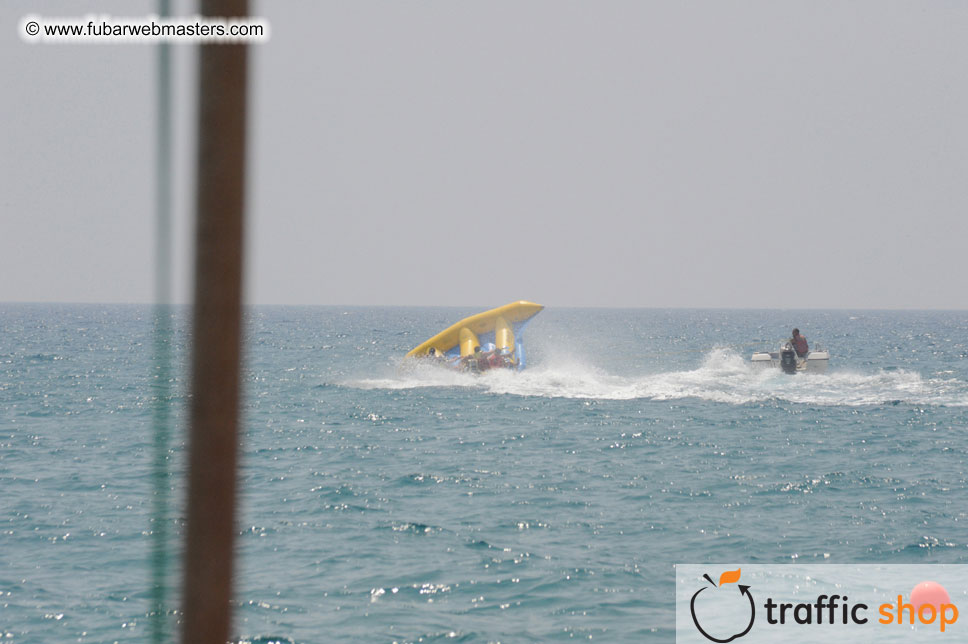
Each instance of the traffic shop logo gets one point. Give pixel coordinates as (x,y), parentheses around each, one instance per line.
(726,611)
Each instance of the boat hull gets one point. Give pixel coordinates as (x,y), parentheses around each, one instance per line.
(814,362)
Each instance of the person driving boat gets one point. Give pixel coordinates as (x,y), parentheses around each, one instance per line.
(799,344)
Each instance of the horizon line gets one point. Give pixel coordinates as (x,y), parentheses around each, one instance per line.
(476,306)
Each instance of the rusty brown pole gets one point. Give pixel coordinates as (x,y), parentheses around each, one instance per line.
(213,439)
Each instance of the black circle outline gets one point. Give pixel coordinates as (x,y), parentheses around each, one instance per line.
(692,609)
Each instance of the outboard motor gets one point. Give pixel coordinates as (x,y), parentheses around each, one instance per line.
(788,360)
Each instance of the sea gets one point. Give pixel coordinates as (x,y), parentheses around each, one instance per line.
(381,501)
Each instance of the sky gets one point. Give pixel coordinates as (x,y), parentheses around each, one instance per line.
(621,154)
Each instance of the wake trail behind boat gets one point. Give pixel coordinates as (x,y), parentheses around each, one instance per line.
(724,376)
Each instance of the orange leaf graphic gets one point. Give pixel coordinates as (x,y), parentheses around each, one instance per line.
(729,577)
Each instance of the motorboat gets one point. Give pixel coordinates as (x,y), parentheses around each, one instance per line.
(481,342)
(787,360)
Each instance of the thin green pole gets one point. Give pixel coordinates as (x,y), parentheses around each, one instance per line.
(162,345)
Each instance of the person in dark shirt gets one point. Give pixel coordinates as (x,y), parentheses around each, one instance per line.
(799,343)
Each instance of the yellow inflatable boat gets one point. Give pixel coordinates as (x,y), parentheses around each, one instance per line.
(488,340)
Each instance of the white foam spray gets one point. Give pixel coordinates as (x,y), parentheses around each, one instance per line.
(724,376)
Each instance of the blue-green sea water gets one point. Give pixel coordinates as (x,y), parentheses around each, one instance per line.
(384,503)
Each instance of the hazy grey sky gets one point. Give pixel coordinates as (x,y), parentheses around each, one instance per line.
(737,154)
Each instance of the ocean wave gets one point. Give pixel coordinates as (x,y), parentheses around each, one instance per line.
(724,376)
